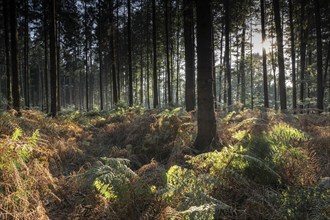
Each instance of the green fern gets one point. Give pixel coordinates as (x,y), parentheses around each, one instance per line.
(190,193)
(284,134)
(111,177)
(18,132)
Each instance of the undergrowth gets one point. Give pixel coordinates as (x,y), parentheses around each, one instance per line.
(132,163)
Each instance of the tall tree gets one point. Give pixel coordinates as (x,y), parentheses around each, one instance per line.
(154,44)
(206,131)
(293,57)
(227,50)
(320,88)
(46,56)
(14,54)
(26,55)
(8,74)
(53,57)
(280,55)
(115,90)
(168,70)
(100,52)
(242,66)
(86,56)
(264,55)
(303,43)
(130,74)
(188,25)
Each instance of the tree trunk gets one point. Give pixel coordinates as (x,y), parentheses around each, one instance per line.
(148,53)
(188,26)
(168,70)
(221,62)
(14,55)
(227,50)
(274,73)
(303,43)
(46,57)
(115,91)
(117,52)
(206,131)
(53,63)
(86,58)
(101,59)
(130,73)
(26,55)
(154,44)
(242,66)
(293,58)
(264,55)
(251,68)
(320,87)
(178,52)
(7,55)
(279,39)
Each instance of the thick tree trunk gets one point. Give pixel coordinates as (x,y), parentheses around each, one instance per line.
(115,91)
(206,131)
(14,55)
(279,38)
(53,63)
(7,55)
(320,87)
(188,25)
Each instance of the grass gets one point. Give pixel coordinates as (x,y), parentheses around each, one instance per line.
(135,163)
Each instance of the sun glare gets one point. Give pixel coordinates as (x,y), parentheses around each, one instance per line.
(266,45)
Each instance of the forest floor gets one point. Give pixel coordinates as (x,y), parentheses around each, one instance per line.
(133,163)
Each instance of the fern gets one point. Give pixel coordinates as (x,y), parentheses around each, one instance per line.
(283,134)
(111,177)
(186,189)
(17,134)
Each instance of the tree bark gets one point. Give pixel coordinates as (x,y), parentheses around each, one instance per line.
(320,87)
(26,55)
(303,43)
(130,73)
(7,55)
(206,131)
(227,50)
(264,55)
(293,57)
(188,25)
(14,55)
(53,63)
(279,38)
(115,91)
(154,44)
(242,66)
(168,70)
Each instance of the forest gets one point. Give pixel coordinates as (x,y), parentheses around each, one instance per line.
(164,109)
